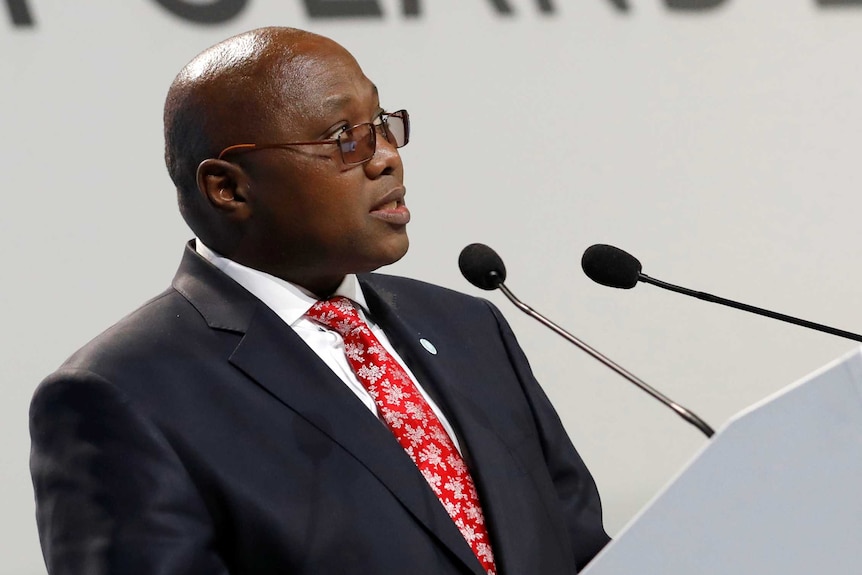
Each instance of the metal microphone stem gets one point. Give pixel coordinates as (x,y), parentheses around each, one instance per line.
(750,308)
(680,410)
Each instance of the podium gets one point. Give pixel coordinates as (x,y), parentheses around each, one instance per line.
(776,491)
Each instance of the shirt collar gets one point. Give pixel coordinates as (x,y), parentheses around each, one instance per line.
(289,301)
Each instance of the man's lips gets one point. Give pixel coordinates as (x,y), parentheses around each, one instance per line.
(392,209)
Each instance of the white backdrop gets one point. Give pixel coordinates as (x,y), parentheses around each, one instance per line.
(719,146)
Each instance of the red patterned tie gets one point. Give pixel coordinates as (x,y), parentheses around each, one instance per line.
(412,421)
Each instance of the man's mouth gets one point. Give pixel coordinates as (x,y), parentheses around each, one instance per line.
(392,208)
(388,206)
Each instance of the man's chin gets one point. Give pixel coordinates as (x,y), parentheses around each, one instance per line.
(389,256)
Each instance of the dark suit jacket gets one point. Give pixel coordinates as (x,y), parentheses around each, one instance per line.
(200,435)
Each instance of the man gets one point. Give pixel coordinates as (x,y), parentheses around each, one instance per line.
(232,426)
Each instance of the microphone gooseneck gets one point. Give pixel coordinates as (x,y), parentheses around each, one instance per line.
(483,268)
(614,267)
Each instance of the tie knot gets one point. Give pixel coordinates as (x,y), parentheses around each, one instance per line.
(337,314)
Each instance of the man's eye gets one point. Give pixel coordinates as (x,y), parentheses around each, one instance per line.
(339,132)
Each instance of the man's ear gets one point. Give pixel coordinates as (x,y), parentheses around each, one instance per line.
(224,186)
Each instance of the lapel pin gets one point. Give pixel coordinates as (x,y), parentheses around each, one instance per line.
(429,347)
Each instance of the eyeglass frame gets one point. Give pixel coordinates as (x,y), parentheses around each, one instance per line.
(384,118)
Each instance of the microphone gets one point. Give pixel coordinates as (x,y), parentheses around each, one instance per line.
(483,268)
(615,268)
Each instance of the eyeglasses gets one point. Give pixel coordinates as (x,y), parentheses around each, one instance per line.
(357,144)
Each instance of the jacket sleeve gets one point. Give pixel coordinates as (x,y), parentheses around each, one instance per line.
(112,496)
(573,482)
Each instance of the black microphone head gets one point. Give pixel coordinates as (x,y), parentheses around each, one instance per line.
(482,266)
(611,266)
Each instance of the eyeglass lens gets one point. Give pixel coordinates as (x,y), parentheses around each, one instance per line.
(358,143)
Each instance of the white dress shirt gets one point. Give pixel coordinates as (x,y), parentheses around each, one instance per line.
(290,302)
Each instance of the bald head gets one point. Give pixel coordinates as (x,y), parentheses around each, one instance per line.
(236,92)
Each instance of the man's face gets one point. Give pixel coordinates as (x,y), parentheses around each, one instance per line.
(314,219)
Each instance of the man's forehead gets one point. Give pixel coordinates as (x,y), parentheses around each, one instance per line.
(323,85)
(321,72)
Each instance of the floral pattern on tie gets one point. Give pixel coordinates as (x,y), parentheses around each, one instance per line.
(411,420)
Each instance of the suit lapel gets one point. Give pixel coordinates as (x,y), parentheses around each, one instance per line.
(271,354)
(483,449)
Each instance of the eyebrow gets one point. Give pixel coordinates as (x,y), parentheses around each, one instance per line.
(335,103)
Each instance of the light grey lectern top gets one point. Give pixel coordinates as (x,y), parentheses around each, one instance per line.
(777,491)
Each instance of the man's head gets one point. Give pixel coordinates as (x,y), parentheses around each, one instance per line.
(298,212)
